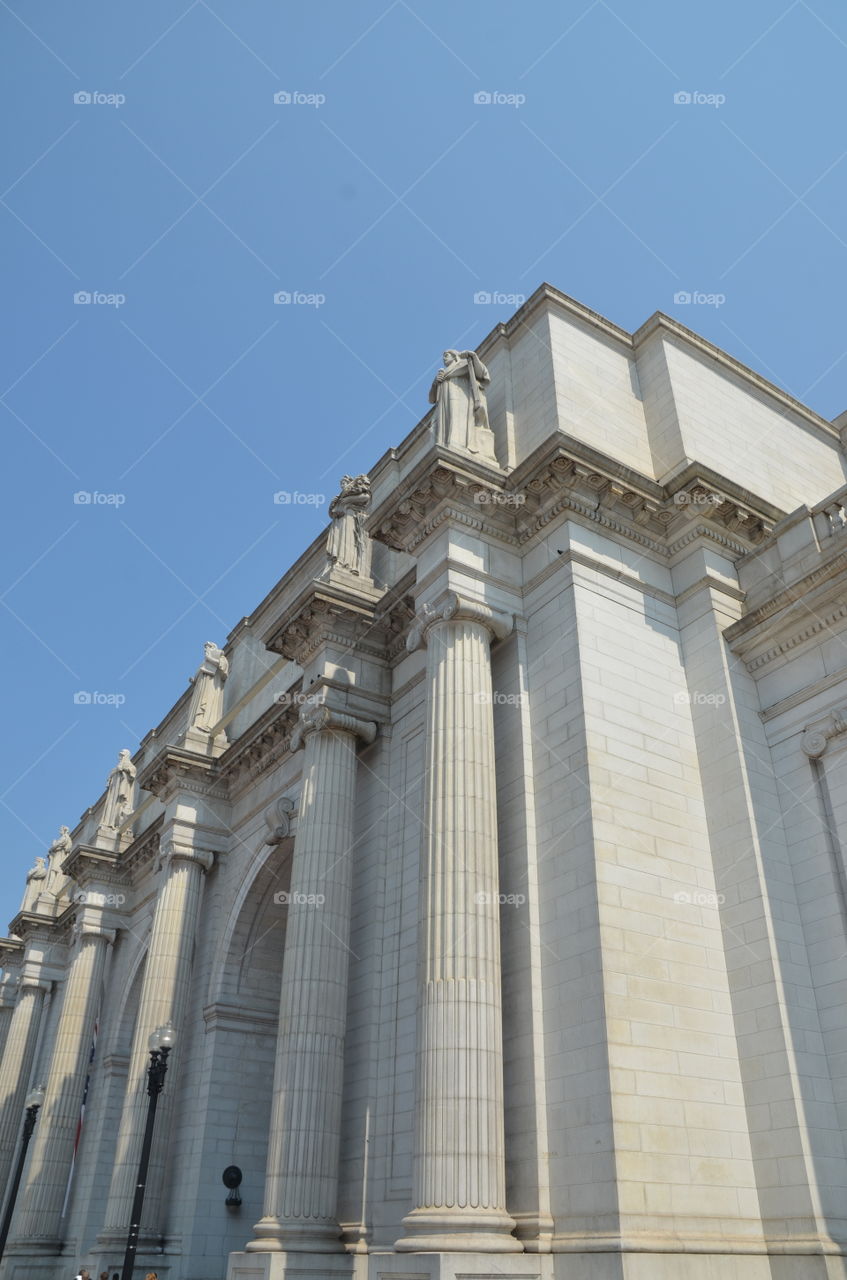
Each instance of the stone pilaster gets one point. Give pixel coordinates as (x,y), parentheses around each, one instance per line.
(16,1069)
(37,1223)
(459,1180)
(302,1174)
(164,995)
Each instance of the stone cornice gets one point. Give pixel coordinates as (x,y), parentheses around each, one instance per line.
(175,768)
(144,848)
(736,548)
(564,475)
(29,926)
(87,864)
(263,745)
(445,485)
(11,952)
(806,694)
(792,616)
(798,591)
(327,611)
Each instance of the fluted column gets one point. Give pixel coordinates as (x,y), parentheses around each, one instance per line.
(16,1068)
(164,995)
(459,1178)
(37,1222)
(301,1186)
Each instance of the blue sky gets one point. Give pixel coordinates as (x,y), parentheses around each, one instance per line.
(182,197)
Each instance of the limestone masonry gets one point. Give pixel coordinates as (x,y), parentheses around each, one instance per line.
(492,872)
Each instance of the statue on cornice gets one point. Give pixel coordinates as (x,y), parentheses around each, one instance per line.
(120,786)
(348,546)
(35,879)
(58,851)
(461,416)
(207,697)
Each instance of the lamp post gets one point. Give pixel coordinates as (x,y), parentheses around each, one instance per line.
(160,1044)
(34,1101)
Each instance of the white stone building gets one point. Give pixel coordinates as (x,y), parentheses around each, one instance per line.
(492,875)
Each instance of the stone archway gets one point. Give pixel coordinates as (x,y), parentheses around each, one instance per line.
(236,1085)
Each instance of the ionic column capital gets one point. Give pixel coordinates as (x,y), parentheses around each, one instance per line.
(172,851)
(316,719)
(93,929)
(816,740)
(456,608)
(33,978)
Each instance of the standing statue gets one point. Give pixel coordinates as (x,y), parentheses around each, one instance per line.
(120,785)
(461,419)
(58,851)
(35,879)
(348,546)
(207,698)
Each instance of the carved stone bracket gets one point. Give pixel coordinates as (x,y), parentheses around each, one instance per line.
(278,817)
(457,608)
(816,740)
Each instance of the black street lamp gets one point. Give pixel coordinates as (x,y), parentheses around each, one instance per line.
(160,1044)
(34,1101)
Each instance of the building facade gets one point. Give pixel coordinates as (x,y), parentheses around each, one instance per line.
(491,876)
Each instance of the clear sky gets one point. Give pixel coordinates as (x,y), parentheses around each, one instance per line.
(149,166)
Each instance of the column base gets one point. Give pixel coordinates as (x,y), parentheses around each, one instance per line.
(459,1266)
(458,1231)
(304,1266)
(276,1235)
